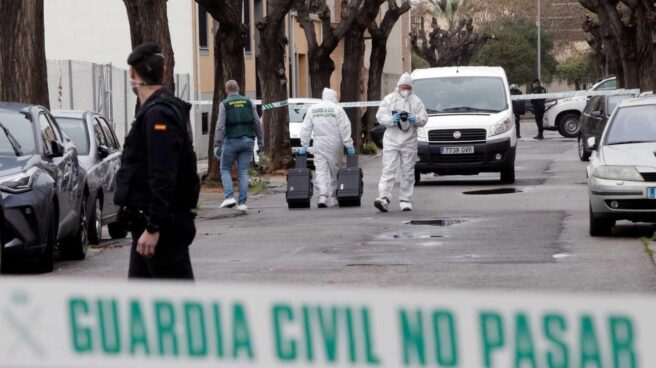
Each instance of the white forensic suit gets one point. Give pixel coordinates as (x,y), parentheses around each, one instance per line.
(399,146)
(332,132)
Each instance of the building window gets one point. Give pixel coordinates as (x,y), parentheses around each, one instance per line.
(205,123)
(202,27)
(246,18)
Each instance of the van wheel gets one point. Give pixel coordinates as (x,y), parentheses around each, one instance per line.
(508,175)
(569,126)
(117,230)
(75,247)
(417,177)
(584,153)
(600,226)
(46,261)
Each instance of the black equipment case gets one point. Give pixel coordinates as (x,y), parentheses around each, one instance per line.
(299,184)
(350,184)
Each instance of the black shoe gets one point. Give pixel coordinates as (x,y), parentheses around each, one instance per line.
(382,204)
(539,137)
(519,136)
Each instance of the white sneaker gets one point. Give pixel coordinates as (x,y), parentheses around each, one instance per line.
(229,203)
(382,204)
(405,206)
(242,207)
(323,202)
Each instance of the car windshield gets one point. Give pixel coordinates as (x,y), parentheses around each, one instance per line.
(76,130)
(634,124)
(16,135)
(297,112)
(613,101)
(462,94)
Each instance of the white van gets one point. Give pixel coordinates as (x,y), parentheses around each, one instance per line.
(470,126)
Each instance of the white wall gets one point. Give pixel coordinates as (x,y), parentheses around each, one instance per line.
(98,31)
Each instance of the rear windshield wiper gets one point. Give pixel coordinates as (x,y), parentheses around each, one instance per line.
(18,149)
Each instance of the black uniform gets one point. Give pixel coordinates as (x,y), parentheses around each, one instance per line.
(538,108)
(158,186)
(519,109)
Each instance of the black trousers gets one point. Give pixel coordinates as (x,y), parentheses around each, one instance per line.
(171,262)
(539,116)
(518,119)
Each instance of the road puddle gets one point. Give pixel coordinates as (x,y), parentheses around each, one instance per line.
(436,222)
(494,191)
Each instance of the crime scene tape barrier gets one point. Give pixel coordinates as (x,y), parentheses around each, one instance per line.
(547,96)
(47,323)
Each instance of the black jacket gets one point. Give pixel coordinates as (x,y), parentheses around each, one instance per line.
(158,173)
(538,104)
(519,107)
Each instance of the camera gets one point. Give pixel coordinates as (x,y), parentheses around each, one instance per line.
(404,115)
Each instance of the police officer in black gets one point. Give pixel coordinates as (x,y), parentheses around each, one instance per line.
(519,108)
(538,107)
(158,184)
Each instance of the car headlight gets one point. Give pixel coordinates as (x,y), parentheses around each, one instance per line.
(500,128)
(18,183)
(422,134)
(626,173)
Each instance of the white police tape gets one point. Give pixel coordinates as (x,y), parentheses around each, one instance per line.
(546,96)
(102,324)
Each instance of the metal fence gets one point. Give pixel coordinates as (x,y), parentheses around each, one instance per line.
(80,85)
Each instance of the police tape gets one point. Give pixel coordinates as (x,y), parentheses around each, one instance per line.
(545,96)
(47,323)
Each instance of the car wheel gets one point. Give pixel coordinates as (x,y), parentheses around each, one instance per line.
(75,247)
(417,177)
(95,223)
(117,230)
(600,226)
(508,175)
(584,154)
(569,126)
(46,262)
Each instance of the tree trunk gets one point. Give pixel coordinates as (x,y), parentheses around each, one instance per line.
(273,79)
(322,67)
(350,87)
(149,23)
(23,70)
(374,84)
(229,43)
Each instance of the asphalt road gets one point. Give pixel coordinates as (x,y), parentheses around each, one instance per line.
(535,238)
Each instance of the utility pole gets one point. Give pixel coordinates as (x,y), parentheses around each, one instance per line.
(539,40)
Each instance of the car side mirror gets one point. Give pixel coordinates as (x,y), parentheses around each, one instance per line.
(597,114)
(592,143)
(103,151)
(57,149)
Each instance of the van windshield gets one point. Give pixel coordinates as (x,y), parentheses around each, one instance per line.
(462,94)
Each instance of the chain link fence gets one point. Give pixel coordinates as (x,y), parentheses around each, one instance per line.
(103,88)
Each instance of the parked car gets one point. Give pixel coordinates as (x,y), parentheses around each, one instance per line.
(594,119)
(99,152)
(470,127)
(564,114)
(43,188)
(622,173)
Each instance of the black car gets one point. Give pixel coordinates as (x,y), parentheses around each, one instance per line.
(43,188)
(594,119)
(99,153)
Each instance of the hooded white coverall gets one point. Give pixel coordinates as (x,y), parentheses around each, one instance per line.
(400,147)
(332,132)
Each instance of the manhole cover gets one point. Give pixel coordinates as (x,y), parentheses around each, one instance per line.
(494,191)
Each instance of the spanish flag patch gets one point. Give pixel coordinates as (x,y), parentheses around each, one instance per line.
(160,127)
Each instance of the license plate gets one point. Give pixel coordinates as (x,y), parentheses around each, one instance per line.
(457,150)
(651,193)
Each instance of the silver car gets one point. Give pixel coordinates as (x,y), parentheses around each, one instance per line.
(622,173)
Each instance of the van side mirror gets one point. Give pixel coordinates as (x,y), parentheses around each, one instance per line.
(592,143)
(597,114)
(57,149)
(103,152)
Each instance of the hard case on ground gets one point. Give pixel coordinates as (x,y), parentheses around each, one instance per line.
(299,184)
(350,184)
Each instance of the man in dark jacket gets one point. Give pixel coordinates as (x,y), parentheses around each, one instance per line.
(158,184)
(519,107)
(538,107)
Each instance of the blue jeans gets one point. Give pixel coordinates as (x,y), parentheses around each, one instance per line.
(241,151)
